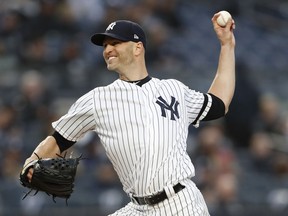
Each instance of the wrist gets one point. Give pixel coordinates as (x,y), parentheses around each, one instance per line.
(229,45)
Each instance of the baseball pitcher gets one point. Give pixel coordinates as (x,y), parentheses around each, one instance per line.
(143,122)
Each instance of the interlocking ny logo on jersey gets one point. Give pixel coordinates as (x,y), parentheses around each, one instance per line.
(172,107)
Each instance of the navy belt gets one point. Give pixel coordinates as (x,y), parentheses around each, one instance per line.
(157,198)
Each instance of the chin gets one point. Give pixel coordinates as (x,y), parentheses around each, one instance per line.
(111,68)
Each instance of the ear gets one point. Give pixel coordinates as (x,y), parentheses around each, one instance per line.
(139,48)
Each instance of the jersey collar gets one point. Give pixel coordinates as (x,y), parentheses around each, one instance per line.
(141,82)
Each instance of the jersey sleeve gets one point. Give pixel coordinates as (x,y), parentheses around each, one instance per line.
(198,105)
(78,120)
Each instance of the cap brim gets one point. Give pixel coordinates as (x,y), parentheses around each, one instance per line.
(98,38)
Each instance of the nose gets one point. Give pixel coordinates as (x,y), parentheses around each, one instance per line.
(108,48)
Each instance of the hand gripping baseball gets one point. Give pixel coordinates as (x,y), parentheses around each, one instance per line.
(55,176)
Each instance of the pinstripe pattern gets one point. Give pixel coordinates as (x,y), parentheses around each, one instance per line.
(145,145)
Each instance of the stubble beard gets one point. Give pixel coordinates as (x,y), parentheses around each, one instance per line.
(122,62)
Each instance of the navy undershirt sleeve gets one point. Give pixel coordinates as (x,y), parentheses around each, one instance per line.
(217,109)
(63,143)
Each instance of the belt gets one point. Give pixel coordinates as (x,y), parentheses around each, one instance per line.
(157,198)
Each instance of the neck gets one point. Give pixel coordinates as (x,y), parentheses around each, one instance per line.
(134,74)
(133,77)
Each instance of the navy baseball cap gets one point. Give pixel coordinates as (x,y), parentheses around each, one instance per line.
(123,30)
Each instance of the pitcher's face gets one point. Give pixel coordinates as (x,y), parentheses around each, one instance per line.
(117,54)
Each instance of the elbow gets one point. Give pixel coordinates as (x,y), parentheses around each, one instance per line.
(227,106)
(226,109)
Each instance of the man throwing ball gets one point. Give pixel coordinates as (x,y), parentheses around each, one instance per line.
(143,122)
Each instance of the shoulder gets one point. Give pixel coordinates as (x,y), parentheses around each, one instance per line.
(170,87)
(173,84)
(101,89)
(168,82)
(175,81)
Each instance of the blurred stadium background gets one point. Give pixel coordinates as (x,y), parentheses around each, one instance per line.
(47,61)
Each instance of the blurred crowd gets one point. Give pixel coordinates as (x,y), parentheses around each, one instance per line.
(47,61)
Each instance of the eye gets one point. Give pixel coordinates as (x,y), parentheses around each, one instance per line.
(111,43)
(114,43)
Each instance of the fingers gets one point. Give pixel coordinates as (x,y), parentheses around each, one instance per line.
(231,24)
(214,18)
(27,171)
(30,174)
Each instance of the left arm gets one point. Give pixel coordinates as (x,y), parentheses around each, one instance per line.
(223,85)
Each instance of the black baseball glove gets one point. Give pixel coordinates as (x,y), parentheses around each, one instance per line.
(55,176)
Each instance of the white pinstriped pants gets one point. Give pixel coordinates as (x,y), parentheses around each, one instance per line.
(187,202)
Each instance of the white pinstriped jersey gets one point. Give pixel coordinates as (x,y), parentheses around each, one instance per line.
(143,129)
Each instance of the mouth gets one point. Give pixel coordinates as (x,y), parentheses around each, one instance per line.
(110,59)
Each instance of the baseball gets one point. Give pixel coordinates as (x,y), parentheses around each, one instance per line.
(223,18)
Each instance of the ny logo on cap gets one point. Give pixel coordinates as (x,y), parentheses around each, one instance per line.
(136,36)
(111,26)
